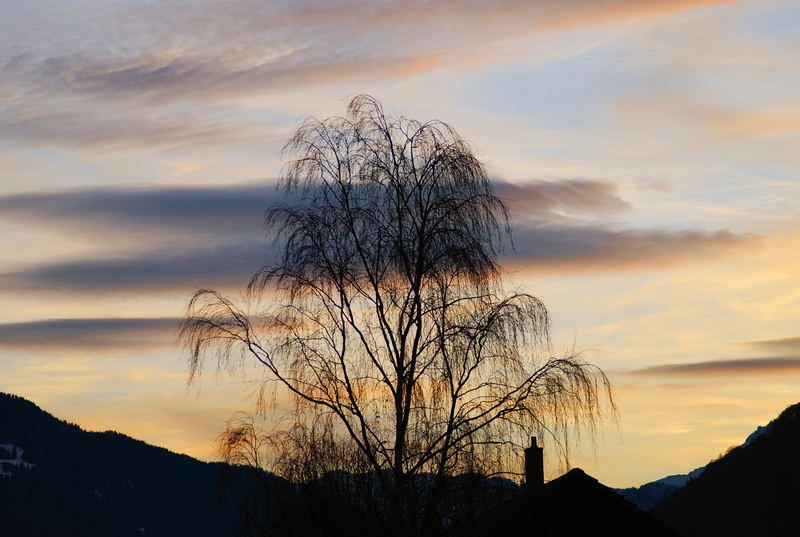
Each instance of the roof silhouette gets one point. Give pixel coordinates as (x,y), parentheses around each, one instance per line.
(573,504)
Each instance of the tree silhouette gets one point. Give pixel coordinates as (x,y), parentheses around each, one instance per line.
(386,320)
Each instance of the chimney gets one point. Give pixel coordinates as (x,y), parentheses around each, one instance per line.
(534,466)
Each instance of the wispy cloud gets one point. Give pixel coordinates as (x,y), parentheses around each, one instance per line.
(747,366)
(591,248)
(228,211)
(111,127)
(214,236)
(167,269)
(258,45)
(582,249)
(98,334)
(783,345)
(544,200)
(237,209)
(170,58)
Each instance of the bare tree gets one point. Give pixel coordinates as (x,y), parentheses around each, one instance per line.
(386,318)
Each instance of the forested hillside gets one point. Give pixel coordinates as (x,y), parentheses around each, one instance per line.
(69,482)
(752,490)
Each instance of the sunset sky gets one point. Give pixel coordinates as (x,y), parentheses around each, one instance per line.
(648,150)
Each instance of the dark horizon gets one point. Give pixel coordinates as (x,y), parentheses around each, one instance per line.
(647,153)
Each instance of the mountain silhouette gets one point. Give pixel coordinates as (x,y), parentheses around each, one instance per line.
(57,479)
(647,495)
(751,490)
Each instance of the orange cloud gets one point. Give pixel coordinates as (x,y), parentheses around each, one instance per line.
(318,43)
(771,121)
(120,97)
(625,11)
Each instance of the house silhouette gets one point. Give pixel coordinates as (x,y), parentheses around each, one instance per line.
(574,504)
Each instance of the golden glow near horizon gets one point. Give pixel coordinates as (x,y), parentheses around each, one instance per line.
(648,152)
